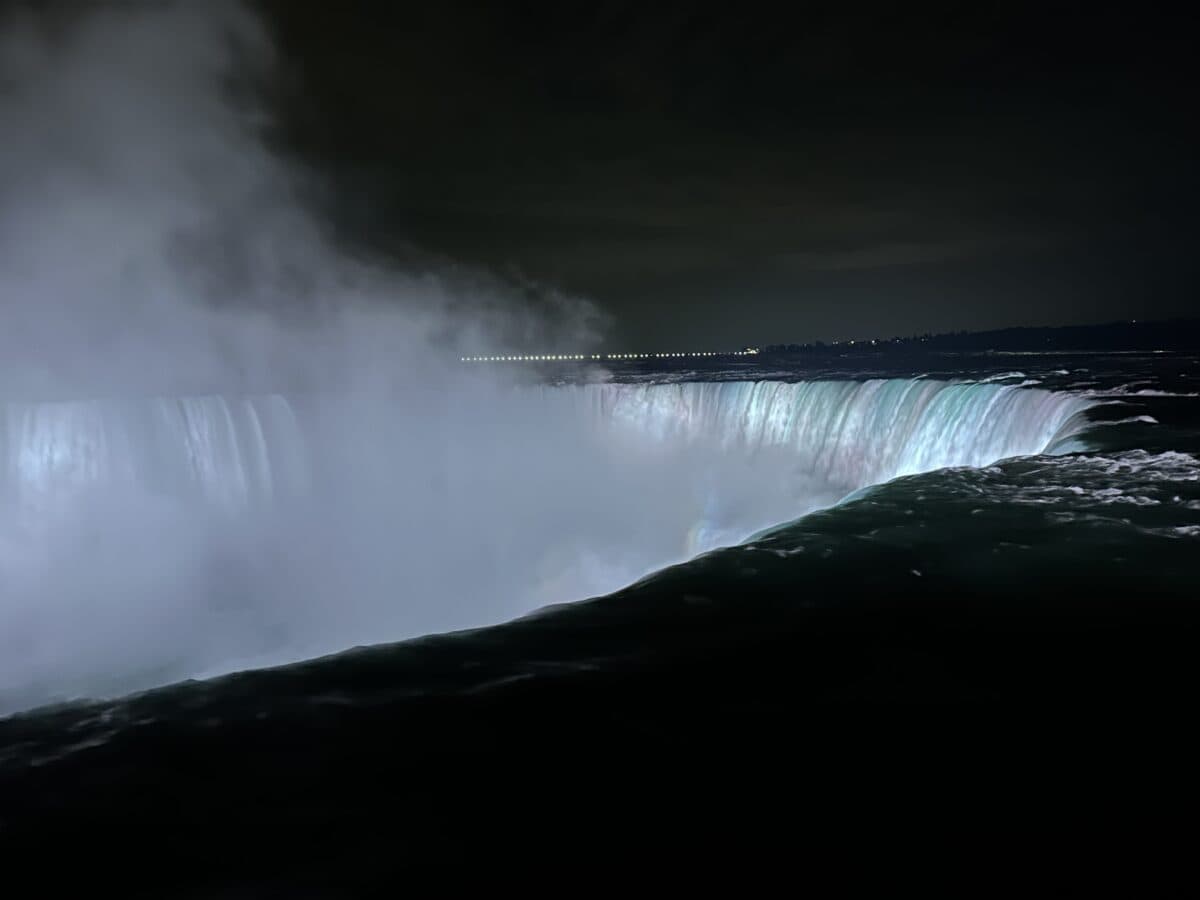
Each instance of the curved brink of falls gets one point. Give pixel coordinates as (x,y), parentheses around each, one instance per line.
(851,434)
(146,540)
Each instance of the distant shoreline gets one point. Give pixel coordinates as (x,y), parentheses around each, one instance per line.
(1130,336)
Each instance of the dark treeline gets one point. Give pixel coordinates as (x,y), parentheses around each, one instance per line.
(1174,334)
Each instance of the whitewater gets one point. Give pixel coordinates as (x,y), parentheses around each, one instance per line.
(147,539)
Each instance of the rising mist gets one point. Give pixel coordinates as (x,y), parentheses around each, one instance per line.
(153,244)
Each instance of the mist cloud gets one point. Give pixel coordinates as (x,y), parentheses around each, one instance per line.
(151,238)
(153,244)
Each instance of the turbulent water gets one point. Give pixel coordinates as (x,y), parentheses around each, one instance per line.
(156,538)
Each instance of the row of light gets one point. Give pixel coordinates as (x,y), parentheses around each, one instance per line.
(568,357)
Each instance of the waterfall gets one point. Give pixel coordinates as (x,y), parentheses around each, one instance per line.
(145,540)
(847,433)
(230,451)
(235,450)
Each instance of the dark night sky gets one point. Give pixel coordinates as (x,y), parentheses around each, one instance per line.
(722,174)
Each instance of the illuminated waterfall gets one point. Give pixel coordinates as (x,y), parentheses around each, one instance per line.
(144,540)
(849,434)
(233,451)
(228,450)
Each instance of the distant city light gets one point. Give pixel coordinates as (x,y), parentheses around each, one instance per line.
(572,357)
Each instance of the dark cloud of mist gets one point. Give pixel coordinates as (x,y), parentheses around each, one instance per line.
(150,236)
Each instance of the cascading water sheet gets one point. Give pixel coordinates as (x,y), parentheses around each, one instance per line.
(238,531)
(851,433)
(228,450)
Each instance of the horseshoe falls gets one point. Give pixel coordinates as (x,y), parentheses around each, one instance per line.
(152,539)
(849,433)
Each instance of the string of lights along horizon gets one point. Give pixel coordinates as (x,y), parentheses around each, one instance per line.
(585,357)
